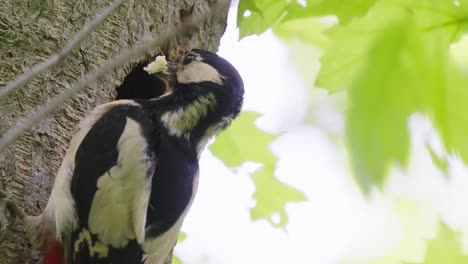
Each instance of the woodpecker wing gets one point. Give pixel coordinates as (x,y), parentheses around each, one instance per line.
(111,186)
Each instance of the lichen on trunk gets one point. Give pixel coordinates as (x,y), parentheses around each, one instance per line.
(31,31)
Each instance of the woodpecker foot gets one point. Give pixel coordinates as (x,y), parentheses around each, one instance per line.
(9,212)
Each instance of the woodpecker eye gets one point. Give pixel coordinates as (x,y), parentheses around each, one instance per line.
(189,58)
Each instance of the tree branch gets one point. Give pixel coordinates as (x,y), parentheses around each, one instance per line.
(60,56)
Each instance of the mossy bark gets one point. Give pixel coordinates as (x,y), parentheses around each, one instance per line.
(31,31)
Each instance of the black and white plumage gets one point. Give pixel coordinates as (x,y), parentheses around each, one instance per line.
(131,172)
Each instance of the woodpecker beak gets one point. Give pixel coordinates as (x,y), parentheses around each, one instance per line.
(172,67)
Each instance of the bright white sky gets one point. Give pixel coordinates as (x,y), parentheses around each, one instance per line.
(337,222)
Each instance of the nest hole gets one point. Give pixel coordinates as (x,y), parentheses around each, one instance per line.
(138,84)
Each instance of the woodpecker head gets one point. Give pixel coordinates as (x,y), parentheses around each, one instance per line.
(207,72)
(209,90)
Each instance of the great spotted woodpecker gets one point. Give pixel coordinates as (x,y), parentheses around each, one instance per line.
(131,172)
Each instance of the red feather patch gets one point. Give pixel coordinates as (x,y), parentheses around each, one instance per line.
(54,252)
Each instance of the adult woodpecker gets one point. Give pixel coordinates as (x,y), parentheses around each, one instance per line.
(131,172)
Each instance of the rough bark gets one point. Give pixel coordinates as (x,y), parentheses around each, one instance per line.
(32,30)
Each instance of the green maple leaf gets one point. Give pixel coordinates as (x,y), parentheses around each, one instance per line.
(244,141)
(263,14)
(394,66)
(380,102)
(256,16)
(445,248)
(350,43)
(345,10)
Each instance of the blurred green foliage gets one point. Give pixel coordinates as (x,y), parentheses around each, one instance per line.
(393,58)
(244,141)
(180,239)
(445,248)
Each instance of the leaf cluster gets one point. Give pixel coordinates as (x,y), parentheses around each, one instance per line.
(393,57)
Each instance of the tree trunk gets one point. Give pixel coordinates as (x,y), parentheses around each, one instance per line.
(31,31)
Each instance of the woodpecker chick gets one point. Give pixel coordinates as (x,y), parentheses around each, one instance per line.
(131,172)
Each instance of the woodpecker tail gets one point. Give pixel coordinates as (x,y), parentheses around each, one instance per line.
(54,253)
(45,241)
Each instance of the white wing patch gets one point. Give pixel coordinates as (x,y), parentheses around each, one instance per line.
(59,213)
(97,249)
(197,72)
(118,211)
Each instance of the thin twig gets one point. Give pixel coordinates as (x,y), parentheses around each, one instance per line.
(60,56)
(42,111)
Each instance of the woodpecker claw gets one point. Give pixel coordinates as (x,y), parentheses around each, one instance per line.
(9,212)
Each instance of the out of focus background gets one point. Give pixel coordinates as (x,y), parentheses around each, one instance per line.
(352,147)
(352,143)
